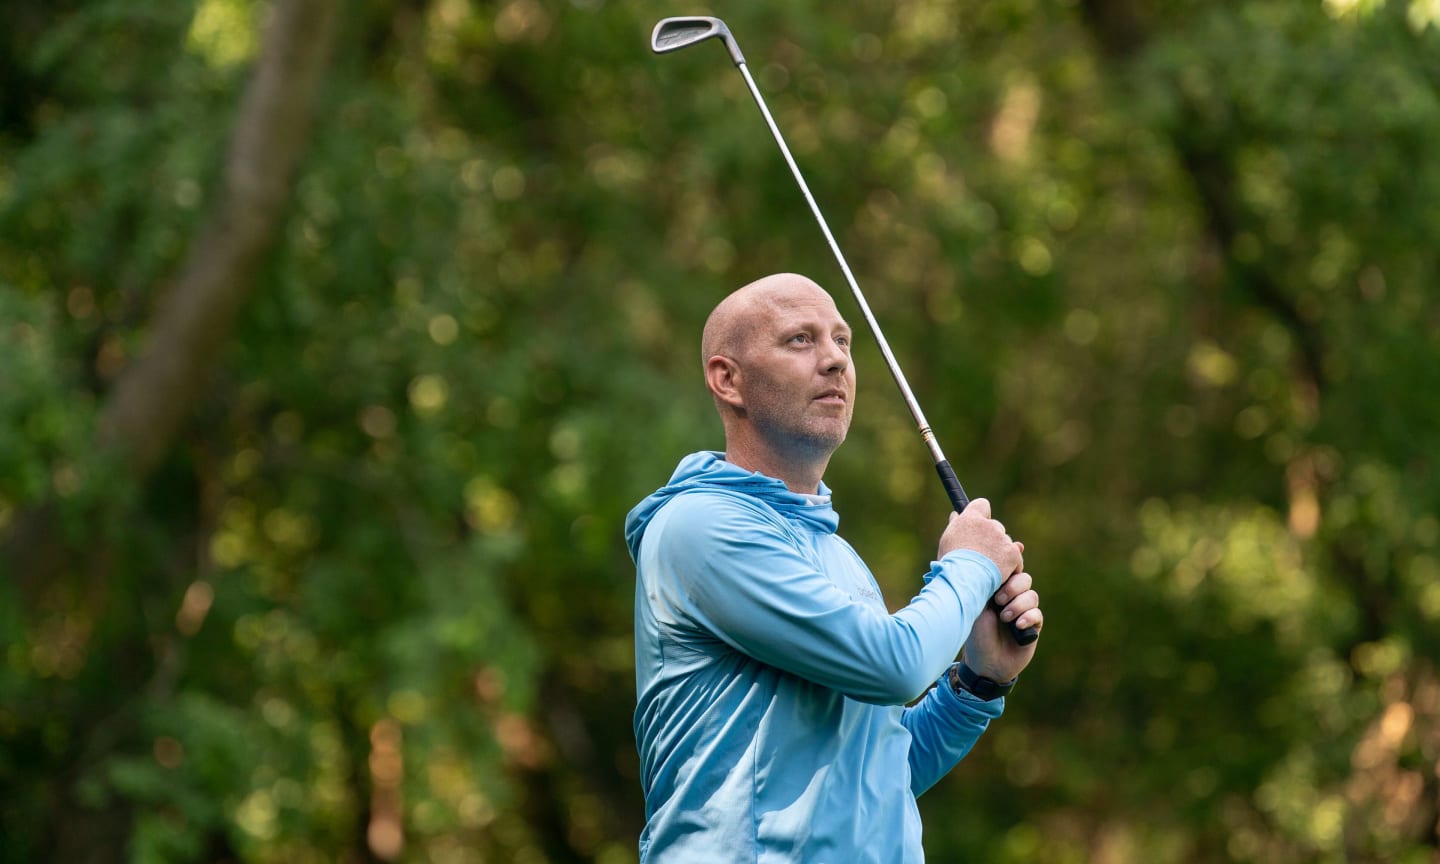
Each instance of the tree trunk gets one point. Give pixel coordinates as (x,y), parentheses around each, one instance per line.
(146,410)
(152,397)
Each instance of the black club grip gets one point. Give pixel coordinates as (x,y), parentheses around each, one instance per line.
(959,500)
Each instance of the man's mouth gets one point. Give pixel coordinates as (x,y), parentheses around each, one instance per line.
(833,396)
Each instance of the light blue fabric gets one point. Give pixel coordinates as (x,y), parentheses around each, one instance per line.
(772,680)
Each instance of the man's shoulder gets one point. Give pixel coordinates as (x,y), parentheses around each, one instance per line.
(708,505)
(704,518)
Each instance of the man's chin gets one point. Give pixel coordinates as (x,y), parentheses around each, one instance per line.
(807,441)
(820,442)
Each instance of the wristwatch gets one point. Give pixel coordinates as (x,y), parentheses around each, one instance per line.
(962,677)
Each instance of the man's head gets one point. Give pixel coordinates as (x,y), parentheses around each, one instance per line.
(777,361)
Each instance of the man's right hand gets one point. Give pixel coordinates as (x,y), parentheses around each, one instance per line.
(974,529)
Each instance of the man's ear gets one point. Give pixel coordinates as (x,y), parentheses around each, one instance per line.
(722,376)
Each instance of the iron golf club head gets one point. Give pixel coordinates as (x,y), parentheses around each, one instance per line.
(672,34)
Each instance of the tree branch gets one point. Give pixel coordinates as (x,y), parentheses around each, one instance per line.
(146,409)
(152,396)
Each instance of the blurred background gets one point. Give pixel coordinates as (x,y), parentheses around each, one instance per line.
(337,337)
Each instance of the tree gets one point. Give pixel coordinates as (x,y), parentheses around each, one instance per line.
(1159,274)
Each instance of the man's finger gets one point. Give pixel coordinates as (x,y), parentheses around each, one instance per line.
(1013,586)
(1024,602)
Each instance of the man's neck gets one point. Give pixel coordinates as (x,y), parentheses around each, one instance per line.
(799,475)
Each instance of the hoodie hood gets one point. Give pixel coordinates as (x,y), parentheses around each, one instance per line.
(708,471)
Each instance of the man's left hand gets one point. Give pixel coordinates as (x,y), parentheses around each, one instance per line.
(991,650)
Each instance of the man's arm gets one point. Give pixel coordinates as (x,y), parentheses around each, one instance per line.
(728,568)
(943,727)
(946,723)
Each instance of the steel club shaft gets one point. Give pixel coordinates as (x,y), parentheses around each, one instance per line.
(672,34)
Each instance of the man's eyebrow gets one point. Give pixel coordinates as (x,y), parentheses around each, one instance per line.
(815,325)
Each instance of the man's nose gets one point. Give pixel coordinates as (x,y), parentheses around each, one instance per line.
(834,358)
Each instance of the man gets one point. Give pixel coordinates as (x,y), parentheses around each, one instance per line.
(772,680)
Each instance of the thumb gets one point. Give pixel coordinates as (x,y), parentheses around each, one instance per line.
(980,507)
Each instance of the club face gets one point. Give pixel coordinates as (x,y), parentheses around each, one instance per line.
(672,34)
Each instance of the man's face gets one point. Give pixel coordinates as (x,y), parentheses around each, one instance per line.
(797,379)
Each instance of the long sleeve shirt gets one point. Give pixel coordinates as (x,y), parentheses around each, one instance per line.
(772,681)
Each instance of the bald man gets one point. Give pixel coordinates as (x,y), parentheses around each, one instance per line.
(772,679)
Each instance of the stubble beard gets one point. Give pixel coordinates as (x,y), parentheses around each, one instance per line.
(790,430)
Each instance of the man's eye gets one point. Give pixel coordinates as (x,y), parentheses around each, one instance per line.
(843,341)
(800,337)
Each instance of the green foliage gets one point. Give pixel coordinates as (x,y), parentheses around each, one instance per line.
(1165,297)
(50,427)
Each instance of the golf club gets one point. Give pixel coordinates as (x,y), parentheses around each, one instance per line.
(673,34)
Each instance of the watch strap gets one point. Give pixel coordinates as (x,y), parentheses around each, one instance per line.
(962,677)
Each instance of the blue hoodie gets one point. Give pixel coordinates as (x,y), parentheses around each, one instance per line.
(772,680)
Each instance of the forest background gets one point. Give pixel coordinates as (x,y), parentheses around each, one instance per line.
(337,337)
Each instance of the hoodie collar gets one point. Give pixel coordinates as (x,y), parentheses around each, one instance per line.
(708,470)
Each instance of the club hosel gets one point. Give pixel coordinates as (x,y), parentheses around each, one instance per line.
(730,44)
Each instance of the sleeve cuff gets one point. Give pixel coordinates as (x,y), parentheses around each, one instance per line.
(957,556)
(967,703)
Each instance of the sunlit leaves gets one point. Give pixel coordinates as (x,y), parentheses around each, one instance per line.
(223,32)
